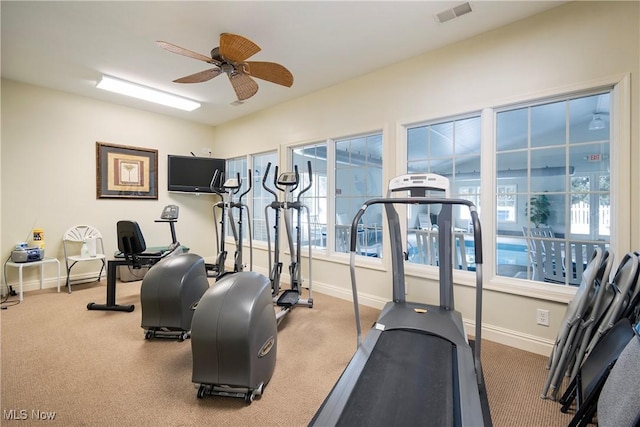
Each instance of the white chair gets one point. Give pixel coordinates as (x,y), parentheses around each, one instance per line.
(536,251)
(427,246)
(72,242)
(427,249)
(424,221)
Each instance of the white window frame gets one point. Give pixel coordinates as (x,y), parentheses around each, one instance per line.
(329,251)
(620,238)
(620,145)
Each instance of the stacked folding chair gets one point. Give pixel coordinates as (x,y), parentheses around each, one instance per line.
(618,402)
(625,288)
(596,329)
(585,388)
(601,302)
(561,352)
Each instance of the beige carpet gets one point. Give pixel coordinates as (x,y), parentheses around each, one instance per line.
(95,368)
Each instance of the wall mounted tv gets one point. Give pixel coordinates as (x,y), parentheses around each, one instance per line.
(193,174)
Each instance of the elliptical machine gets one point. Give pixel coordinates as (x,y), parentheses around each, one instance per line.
(287,182)
(230,187)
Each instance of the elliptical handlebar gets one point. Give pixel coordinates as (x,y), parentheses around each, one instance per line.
(213,188)
(264,181)
(287,185)
(275,179)
(249,186)
(237,190)
(305,189)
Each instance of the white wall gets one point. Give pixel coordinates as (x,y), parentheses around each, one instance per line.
(48,144)
(49,172)
(557,51)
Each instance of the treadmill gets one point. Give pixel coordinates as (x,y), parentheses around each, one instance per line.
(415,366)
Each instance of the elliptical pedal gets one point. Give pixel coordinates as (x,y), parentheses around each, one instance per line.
(288,298)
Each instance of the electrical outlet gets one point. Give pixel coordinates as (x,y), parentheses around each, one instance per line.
(207,151)
(542,317)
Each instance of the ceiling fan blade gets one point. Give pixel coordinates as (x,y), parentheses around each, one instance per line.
(244,85)
(236,48)
(270,71)
(186,52)
(202,76)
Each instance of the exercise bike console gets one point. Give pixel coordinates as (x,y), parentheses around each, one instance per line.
(170,212)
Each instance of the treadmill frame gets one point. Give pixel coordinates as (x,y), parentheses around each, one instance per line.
(443,321)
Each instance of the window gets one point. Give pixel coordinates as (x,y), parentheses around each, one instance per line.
(358,177)
(262,197)
(555,158)
(316,197)
(506,203)
(451,149)
(355,166)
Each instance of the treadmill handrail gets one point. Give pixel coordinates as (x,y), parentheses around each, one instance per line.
(477,238)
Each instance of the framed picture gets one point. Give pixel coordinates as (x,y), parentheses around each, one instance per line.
(126,172)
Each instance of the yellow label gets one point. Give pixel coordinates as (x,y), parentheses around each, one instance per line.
(38,237)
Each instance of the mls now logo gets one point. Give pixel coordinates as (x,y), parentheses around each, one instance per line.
(23,414)
(15,414)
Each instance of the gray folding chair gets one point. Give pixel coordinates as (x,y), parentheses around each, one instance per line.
(619,400)
(603,296)
(623,284)
(562,350)
(585,388)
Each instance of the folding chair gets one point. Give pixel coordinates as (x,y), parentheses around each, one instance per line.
(618,401)
(586,386)
(562,350)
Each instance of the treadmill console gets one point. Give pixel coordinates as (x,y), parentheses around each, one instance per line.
(423,181)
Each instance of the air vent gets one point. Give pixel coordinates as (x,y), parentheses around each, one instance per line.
(455,12)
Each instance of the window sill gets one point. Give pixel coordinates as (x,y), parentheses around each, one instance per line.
(509,285)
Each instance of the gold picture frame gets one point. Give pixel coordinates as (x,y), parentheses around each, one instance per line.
(125,172)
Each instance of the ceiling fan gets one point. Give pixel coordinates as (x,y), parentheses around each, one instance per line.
(231,58)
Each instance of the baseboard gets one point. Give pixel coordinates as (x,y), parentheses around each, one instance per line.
(516,339)
(52,282)
(493,333)
(345,294)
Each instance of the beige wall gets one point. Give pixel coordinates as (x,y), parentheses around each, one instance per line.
(571,47)
(49,171)
(48,144)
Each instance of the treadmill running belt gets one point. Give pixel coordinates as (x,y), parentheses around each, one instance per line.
(408,380)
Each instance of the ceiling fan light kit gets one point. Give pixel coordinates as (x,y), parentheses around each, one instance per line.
(145,93)
(230,59)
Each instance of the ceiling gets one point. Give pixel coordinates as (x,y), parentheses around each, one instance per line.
(67,46)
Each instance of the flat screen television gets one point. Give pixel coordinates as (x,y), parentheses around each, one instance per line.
(193,174)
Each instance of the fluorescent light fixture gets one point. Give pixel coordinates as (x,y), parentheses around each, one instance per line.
(146,93)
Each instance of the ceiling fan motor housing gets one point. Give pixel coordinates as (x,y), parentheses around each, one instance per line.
(215,54)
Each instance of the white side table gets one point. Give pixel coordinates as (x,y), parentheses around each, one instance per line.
(41,263)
